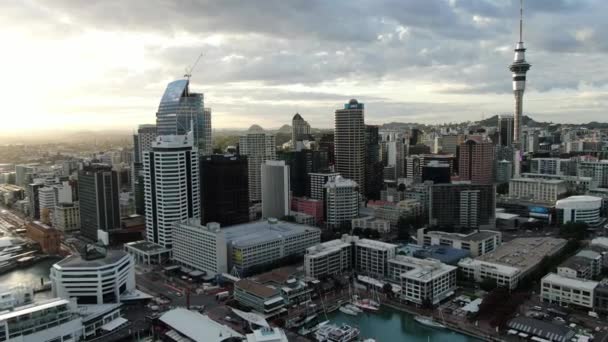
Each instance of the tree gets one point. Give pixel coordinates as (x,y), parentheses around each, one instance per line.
(573,231)
(387,288)
(345,227)
(357,231)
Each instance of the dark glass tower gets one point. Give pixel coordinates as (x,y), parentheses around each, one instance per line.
(224,189)
(301,163)
(98,195)
(374,168)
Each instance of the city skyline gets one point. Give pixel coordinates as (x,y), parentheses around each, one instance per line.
(409,61)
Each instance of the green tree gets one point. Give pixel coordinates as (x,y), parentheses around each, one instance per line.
(387,288)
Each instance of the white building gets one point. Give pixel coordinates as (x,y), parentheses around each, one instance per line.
(94,279)
(317,183)
(66,217)
(171,185)
(478,270)
(259,147)
(275,189)
(567,291)
(552,166)
(585,209)
(331,257)
(202,248)
(342,201)
(371,257)
(267,335)
(382,226)
(477,243)
(263,242)
(55,320)
(422,279)
(542,190)
(598,170)
(191,326)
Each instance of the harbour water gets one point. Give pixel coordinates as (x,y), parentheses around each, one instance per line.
(29,276)
(390,325)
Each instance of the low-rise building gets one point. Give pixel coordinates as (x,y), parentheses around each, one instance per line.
(368,222)
(147,253)
(422,280)
(293,290)
(575,267)
(310,206)
(262,299)
(477,243)
(478,270)
(600,300)
(393,211)
(584,209)
(567,291)
(185,325)
(537,189)
(372,257)
(49,238)
(328,258)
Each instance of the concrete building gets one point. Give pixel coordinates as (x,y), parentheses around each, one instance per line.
(393,212)
(171,182)
(450,143)
(275,189)
(54,320)
(368,222)
(371,257)
(505,129)
(542,190)
(95,277)
(553,166)
(577,267)
(598,170)
(142,141)
(259,147)
(567,291)
(263,242)
(309,206)
(198,247)
(263,299)
(329,258)
(98,199)
(47,237)
(422,280)
(317,181)
(66,217)
(190,326)
(341,201)
(475,162)
(504,171)
(584,209)
(349,140)
(147,253)
(462,205)
(300,129)
(478,270)
(477,243)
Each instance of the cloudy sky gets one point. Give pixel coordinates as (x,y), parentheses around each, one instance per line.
(104,64)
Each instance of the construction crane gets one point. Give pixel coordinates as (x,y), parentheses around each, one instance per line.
(188,73)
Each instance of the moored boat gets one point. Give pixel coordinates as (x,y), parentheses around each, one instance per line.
(428,321)
(348,311)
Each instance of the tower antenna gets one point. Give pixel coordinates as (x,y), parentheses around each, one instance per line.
(188,73)
(521,20)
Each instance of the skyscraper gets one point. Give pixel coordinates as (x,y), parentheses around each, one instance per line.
(171,185)
(519,68)
(300,129)
(373,165)
(224,189)
(275,189)
(505,130)
(341,201)
(462,205)
(258,146)
(476,161)
(349,139)
(301,163)
(146,134)
(179,109)
(99,204)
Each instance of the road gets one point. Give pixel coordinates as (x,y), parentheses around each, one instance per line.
(157,284)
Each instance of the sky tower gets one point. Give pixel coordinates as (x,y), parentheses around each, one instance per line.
(519,68)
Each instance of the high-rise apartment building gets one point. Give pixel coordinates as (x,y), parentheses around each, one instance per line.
(316,183)
(373,164)
(181,111)
(476,161)
(171,185)
(341,201)
(349,139)
(300,129)
(462,205)
(597,170)
(258,146)
(99,205)
(142,141)
(275,189)
(224,189)
(505,130)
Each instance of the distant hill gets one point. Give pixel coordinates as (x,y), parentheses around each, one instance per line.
(285,129)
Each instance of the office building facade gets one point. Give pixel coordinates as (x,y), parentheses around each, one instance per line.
(275,189)
(98,199)
(349,139)
(476,161)
(259,147)
(462,205)
(341,201)
(198,247)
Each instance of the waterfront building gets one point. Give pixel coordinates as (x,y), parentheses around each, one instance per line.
(32,193)
(263,299)
(422,280)
(478,270)
(476,243)
(543,190)
(462,205)
(47,237)
(96,277)
(264,242)
(349,139)
(224,189)
(54,320)
(267,335)
(329,258)
(98,199)
(316,183)
(341,201)
(567,291)
(275,189)
(201,248)
(582,209)
(259,147)
(181,111)
(293,289)
(371,257)
(300,129)
(475,161)
(66,217)
(185,325)
(171,182)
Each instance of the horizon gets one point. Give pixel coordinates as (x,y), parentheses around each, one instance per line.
(408,61)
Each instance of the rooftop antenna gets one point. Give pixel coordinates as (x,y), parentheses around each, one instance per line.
(521,20)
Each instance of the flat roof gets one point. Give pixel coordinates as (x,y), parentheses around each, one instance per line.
(146,246)
(327,248)
(538,180)
(253,233)
(473,236)
(76,261)
(503,269)
(197,327)
(570,282)
(38,306)
(576,263)
(375,244)
(424,269)
(524,253)
(547,330)
(257,289)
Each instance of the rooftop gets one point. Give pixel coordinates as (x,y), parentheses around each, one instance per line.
(538,180)
(578,202)
(576,263)
(480,235)
(77,261)
(34,307)
(503,269)
(339,182)
(588,254)
(259,290)
(524,253)
(253,233)
(423,269)
(146,246)
(546,330)
(197,327)
(375,244)
(331,246)
(570,282)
